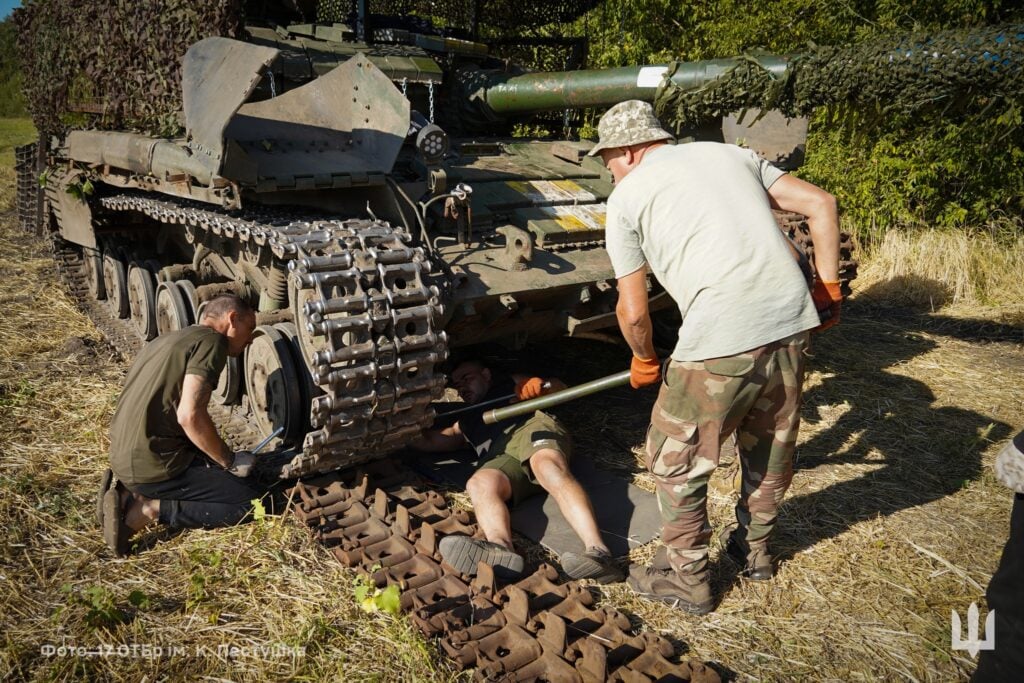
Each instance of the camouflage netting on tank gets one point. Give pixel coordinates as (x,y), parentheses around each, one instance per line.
(113,64)
(505,14)
(948,70)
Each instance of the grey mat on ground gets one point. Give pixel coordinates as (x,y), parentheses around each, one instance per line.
(627,516)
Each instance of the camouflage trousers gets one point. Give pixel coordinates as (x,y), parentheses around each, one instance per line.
(756,394)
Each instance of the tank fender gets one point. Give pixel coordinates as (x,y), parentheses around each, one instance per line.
(218,75)
(352,121)
(74,217)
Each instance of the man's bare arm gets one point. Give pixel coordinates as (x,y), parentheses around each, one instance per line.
(634,315)
(440,440)
(195,419)
(792,194)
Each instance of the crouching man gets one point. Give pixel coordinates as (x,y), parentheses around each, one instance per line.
(518,458)
(167,461)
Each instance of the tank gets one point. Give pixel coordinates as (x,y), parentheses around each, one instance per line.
(359,182)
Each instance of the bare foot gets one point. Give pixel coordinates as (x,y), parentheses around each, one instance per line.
(141,511)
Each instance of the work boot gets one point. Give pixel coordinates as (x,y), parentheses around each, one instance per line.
(690,593)
(106,481)
(595,564)
(756,562)
(464,553)
(116,532)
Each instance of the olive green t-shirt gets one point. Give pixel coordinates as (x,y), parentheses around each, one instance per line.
(147,444)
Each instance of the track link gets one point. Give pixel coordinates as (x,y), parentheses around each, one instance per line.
(383,522)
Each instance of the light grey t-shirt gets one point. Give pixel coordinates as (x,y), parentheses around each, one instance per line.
(699,216)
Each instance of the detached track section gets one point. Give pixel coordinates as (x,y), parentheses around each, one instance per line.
(382,522)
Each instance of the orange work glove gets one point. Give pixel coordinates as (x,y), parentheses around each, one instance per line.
(644,372)
(529,388)
(828,299)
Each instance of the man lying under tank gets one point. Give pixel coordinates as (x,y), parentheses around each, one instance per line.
(167,461)
(517,458)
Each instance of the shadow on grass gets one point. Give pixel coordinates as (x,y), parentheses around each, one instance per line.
(922,451)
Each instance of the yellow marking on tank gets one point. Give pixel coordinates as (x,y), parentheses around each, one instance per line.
(577,218)
(551,191)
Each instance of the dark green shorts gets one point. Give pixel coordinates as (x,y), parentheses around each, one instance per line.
(512,457)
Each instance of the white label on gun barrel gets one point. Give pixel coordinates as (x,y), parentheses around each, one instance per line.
(650,76)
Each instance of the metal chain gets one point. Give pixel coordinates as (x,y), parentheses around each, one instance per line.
(430,91)
(273,88)
(405,87)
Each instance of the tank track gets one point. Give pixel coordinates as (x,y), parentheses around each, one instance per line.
(795,226)
(366,323)
(383,522)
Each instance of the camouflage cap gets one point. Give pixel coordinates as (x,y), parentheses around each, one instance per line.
(628,123)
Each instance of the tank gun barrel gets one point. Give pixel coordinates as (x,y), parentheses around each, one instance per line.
(506,95)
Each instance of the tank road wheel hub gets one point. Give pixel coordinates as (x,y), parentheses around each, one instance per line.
(307,389)
(115,283)
(92,264)
(188,293)
(273,384)
(142,300)
(172,313)
(229,384)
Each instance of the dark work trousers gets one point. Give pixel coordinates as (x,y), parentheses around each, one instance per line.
(1005,595)
(206,496)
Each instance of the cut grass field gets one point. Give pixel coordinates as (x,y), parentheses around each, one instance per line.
(893,520)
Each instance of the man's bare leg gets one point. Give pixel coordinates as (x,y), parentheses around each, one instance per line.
(552,473)
(490,490)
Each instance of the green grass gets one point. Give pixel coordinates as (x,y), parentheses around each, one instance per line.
(14,132)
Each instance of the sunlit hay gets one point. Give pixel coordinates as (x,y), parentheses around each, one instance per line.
(933,268)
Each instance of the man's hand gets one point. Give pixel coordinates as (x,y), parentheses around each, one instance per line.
(242,464)
(828,299)
(644,372)
(530,388)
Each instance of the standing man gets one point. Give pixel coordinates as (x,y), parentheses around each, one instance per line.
(167,461)
(518,458)
(698,218)
(1005,594)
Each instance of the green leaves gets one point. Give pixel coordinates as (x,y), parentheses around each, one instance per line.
(124,56)
(80,190)
(259,513)
(925,170)
(373,599)
(101,610)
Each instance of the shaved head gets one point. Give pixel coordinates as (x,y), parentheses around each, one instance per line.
(222,304)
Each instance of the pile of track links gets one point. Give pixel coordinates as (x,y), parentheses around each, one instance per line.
(381,522)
